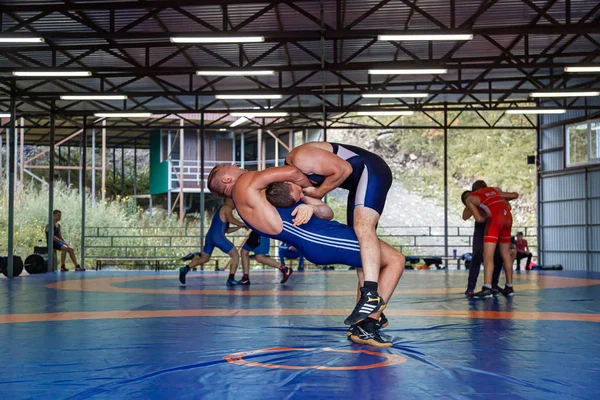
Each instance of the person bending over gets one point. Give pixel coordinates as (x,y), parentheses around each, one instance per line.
(215,237)
(366,176)
(260,246)
(59,243)
(494,202)
(319,239)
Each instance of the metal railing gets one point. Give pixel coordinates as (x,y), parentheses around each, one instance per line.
(166,242)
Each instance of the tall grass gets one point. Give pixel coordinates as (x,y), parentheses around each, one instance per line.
(31,217)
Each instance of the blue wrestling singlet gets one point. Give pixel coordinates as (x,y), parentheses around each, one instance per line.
(215,237)
(322,242)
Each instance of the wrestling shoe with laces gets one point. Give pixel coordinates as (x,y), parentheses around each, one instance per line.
(287,272)
(182,273)
(366,333)
(370,302)
(485,292)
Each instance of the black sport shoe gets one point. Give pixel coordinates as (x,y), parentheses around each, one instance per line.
(469,292)
(182,273)
(287,272)
(508,291)
(383,322)
(350,331)
(190,256)
(370,302)
(366,333)
(244,281)
(496,290)
(485,292)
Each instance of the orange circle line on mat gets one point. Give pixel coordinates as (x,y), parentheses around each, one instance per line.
(271,312)
(108,285)
(238,359)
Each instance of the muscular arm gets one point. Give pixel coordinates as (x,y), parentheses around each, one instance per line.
(507,195)
(287,173)
(473,206)
(321,162)
(320,209)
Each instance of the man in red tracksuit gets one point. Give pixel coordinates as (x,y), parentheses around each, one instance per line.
(498,229)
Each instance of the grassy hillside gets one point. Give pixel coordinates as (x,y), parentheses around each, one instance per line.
(498,156)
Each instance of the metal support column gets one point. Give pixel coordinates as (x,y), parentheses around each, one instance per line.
(69,164)
(202,185)
(181,172)
(446,181)
(122,171)
(260,149)
(50,239)
(22,157)
(135,167)
(10,181)
(242,151)
(82,189)
(103,161)
(93,166)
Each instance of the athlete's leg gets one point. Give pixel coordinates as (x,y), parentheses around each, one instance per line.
(365,225)
(392,267)
(245,255)
(263,259)
(235,260)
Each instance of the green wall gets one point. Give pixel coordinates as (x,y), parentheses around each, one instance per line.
(159,171)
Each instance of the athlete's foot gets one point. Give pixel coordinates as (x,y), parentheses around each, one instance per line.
(496,290)
(469,292)
(182,273)
(79,268)
(244,281)
(232,282)
(366,333)
(350,331)
(508,291)
(63,268)
(383,322)
(485,292)
(370,302)
(287,272)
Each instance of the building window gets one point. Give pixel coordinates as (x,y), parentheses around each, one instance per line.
(583,143)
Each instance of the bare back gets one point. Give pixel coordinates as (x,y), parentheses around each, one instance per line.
(313,158)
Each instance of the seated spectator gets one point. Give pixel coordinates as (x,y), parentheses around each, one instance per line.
(60,244)
(522,251)
(287,251)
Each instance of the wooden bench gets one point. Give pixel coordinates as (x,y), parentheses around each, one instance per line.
(156,260)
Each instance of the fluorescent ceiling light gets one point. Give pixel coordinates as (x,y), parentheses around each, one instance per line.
(238,121)
(393,95)
(407,71)
(123,115)
(536,111)
(94,97)
(222,129)
(583,69)
(248,96)
(222,39)
(21,40)
(425,37)
(4,115)
(46,74)
(259,114)
(225,72)
(376,113)
(564,94)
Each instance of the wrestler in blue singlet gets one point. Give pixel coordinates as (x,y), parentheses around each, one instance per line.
(215,237)
(369,182)
(322,242)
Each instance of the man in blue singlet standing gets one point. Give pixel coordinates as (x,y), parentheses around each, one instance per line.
(320,240)
(368,178)
(215,237)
